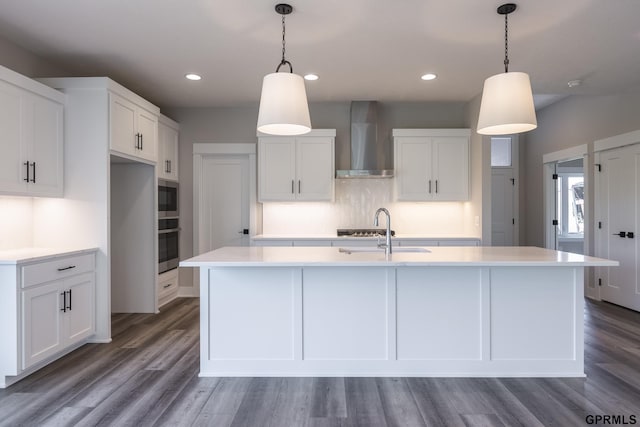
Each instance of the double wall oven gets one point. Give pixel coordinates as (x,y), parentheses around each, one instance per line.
(168,226)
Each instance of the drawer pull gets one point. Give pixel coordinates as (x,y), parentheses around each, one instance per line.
(67,268)
(167,286)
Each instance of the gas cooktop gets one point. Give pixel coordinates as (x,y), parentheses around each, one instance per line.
(363,232)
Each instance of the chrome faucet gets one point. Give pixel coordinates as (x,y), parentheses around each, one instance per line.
(387,244)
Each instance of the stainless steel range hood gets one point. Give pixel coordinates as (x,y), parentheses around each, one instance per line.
(370,156)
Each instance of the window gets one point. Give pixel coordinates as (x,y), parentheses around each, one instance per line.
(501,152)
(570,204)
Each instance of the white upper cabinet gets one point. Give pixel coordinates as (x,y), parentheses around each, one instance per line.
(134,129)
(167,148)
(297,167)
(431,164)
(31,129)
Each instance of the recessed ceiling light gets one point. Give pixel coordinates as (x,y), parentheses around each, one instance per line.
(428,76)
(192,76)
(311,77)
(574,83)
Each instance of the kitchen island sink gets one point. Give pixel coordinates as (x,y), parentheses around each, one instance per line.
(445,311)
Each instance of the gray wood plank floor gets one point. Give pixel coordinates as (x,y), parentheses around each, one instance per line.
(148,376)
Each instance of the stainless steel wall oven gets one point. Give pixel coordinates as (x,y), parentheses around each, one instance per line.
(167,198)
(168,244)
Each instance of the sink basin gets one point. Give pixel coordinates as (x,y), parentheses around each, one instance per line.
(375,249)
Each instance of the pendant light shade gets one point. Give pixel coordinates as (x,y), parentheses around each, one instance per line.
(507,102)
(283,105)
(507,105)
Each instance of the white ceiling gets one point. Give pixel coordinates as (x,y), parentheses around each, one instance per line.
(362,49)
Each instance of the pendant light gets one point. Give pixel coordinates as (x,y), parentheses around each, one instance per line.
(283,102)
(507,103)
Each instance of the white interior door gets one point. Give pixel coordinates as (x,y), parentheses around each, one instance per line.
(502,212)
(224,216)
(619,199)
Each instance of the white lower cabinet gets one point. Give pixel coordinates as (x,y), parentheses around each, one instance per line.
(49,311)
(167,286)
(56,315)
(41,325)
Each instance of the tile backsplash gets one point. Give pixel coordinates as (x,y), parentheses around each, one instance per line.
(356,201)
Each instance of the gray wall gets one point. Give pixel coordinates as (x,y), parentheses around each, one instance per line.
(238,125)
(24,62)
(570,122)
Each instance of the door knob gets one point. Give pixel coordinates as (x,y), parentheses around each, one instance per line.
(621,234)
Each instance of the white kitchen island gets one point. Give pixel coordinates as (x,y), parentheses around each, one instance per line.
(452,311)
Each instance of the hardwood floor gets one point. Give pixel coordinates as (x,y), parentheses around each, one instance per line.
(148,376)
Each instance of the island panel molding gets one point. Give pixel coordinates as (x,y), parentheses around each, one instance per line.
(444,304)
(338,324)
(466,311)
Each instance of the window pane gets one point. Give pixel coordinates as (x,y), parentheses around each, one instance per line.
(576,204)
(500,151)
(559,199)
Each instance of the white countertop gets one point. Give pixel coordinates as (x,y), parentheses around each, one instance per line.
(22,255)
(335,237)
(438,256)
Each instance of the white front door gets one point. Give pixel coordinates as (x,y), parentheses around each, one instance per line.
(502,215)
(619,200)
(224,215)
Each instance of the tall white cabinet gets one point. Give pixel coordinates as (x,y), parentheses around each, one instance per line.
(31,130)
(167,168)
(431,164)
(297,168)
(110,193)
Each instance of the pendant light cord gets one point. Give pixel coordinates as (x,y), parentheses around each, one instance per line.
(506,44)
(284,61)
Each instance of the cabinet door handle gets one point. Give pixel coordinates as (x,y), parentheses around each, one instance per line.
(64,302)
(170,166)
(436,186)
(34,173)
(429,186)
(292,184)
(141,142)
(67,268)
(27,165)
(299,187)
(69,299)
